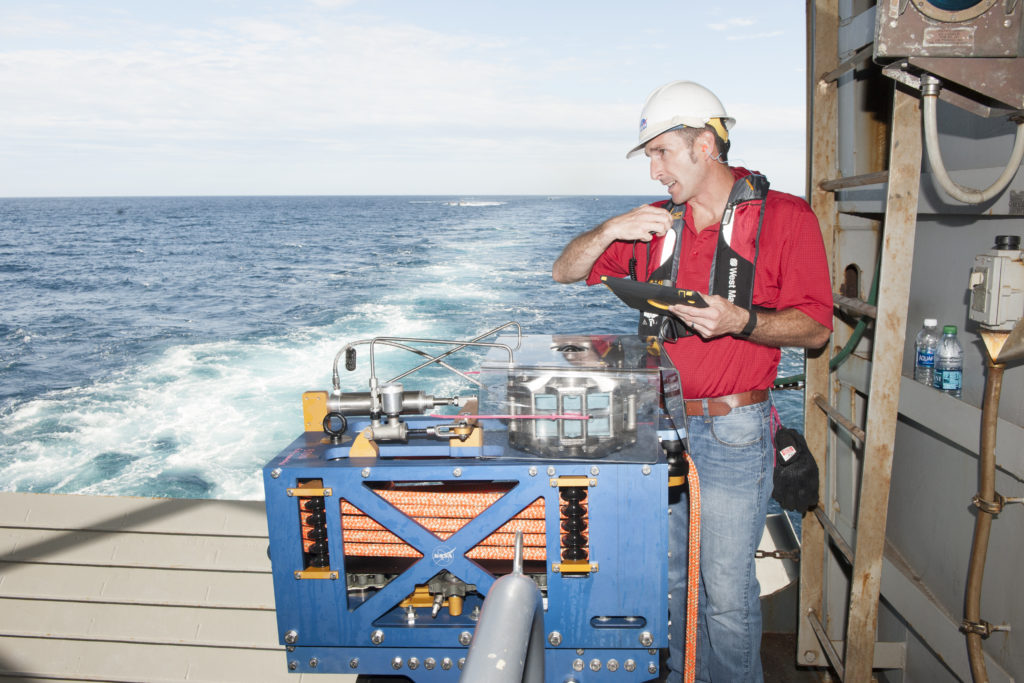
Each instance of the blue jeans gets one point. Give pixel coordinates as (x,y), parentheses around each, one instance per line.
(733,456)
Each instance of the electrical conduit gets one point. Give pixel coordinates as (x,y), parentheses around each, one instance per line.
(930,86)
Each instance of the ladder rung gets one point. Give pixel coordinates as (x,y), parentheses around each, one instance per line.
(849,63)
(839,418)
(854,181)
(855,305)
(888,655)
(834,534)
(827,645)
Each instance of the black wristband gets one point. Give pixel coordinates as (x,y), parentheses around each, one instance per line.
(751,324)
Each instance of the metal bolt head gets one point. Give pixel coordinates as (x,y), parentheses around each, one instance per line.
(577,664)
(580,651)
(446,663)
(551,471)
(595,470)
(555,638)
(365,472)
(377,637)
(275,473)
(613,665)
(652,668)
(646,469)
(465,637)
(595,664)
(291,636)
(396,663)
(457,471)
(429,663)
(646,639)
(461,663)
(414,663)
(293,665)
(810,656)
(533,471)
(630,665)
(353,663)
(313,662)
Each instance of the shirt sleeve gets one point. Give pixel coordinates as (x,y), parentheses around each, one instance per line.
(803,276)
(614,261)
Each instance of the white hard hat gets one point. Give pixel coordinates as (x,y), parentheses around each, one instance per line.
(681,103)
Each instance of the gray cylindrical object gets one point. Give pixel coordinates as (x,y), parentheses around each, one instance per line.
(391,399)
(511,627)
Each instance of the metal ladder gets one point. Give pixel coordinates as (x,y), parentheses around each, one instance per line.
(852,659)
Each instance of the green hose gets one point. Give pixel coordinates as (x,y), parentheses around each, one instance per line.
(851,344)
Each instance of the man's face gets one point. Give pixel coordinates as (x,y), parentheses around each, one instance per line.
(675,165)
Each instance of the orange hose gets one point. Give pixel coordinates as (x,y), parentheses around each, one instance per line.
(692,576)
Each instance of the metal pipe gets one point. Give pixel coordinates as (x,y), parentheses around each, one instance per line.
(488,333)
(336,376)
(982,520)
(430,359)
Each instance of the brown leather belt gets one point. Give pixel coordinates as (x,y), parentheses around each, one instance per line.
(722,405)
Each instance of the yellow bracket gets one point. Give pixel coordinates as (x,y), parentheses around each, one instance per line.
(314,410)
(364,446)
(574,567)
(573,480)
(316,573)
(309,492)
(475,438)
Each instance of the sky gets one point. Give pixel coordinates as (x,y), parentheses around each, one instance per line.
(394,97)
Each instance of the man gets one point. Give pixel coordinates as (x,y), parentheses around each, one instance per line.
(766,284)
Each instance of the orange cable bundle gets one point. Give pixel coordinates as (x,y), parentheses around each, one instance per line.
(443,513)
(692,576)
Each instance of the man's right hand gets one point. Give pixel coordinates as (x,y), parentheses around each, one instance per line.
(579,256)
(642,223)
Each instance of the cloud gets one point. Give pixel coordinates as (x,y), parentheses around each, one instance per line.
(732,23)
(313,89)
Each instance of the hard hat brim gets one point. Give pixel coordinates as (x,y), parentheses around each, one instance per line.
(675,123)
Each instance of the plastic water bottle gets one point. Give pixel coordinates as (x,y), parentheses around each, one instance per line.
(927,342)
(949,362)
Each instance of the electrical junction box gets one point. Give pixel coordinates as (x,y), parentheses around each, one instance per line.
(949,28)
(997,285)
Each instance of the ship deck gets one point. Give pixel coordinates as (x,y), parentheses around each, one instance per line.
(98,588)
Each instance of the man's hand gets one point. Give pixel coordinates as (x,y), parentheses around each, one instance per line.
(719,318)
(788,327)
(642,223)
(580,255)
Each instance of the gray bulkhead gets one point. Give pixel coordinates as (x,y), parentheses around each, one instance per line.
(935,462)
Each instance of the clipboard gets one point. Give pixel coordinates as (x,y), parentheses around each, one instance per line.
(651,298)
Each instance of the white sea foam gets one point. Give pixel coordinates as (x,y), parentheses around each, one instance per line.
(211,414)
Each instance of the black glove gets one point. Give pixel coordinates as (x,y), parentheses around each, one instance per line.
(796,474)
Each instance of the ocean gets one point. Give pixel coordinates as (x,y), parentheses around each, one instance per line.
(160,346)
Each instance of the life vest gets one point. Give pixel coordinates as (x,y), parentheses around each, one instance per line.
(734,262)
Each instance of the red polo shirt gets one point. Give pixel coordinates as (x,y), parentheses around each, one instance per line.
(791,272)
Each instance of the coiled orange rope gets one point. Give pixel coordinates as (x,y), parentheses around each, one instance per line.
(692,575)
